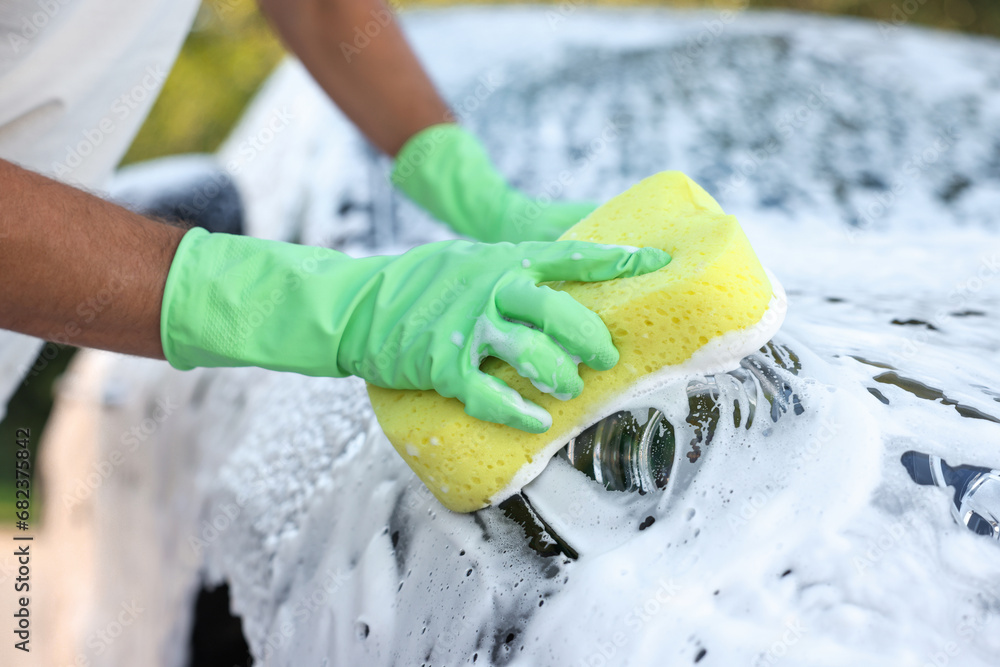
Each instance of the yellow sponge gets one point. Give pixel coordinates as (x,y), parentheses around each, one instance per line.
(713,285)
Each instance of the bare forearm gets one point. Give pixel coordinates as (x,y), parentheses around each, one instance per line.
(381,86)
(78,269)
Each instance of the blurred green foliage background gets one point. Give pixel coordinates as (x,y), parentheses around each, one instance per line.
(230,52)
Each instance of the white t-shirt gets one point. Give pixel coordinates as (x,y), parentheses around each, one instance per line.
(77,78)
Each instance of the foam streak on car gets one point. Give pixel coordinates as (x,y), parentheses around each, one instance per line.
(785,529)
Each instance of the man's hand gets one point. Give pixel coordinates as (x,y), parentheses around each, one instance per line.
(446,171)
(380,85)
(423,320)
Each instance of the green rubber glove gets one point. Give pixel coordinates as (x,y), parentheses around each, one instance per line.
(422,320)
(445,170)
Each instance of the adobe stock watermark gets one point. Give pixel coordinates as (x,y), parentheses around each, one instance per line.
(121,108)
(986,272)
(130,440)
(225,515)
(557,15)
(88,310)
(967,629)
(420,496)
(752,505)
(277,637)
(787,125)
(435,137)
(363,35)
(890,536)
(695,46)
(218,523)
(901,15)
(260,311)
(793,633)
(30,26)
(912,168)
(416,325)
(486,85)
(101,639)
(552,189)
(247,150)
(608,647)
(254,144)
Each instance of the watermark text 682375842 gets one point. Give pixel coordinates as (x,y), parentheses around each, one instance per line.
(22,543)
(22,477)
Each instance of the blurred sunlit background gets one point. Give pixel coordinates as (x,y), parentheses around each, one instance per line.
(231,51)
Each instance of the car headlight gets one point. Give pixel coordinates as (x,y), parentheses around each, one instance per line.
(626,451)
(639,452)
(634,450)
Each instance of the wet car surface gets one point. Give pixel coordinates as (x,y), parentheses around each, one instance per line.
(784,526)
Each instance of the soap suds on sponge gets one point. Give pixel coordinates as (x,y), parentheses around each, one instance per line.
(713,286)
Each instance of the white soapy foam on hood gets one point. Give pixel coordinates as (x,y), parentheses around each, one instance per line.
(800,544)
(719,355)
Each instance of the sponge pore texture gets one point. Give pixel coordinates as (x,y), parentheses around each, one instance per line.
(713,285)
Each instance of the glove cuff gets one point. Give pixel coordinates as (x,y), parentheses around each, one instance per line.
(177,331)
(239,301)
(445,170)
